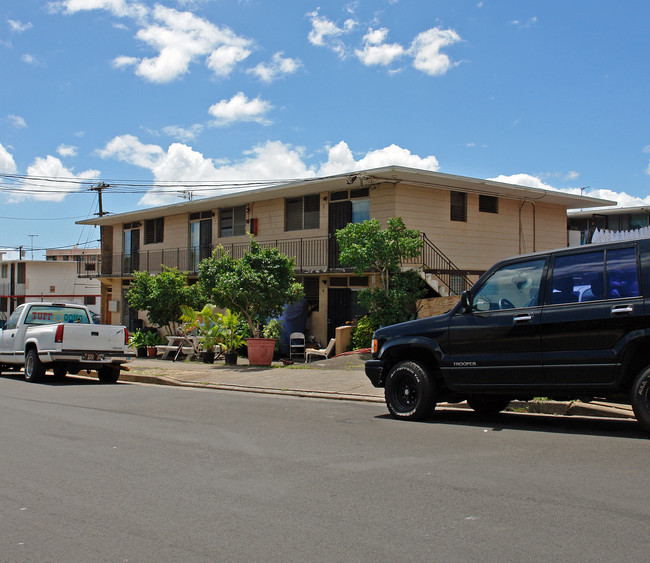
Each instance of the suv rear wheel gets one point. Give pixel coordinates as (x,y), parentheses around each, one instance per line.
(410,391)
(641,398)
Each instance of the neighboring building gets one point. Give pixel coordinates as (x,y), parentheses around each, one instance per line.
(23,281)
(467,225)
(88,256)
(583,223)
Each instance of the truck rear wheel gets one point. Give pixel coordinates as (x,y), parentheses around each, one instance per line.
(641,398)
(108,374)
(410,391)
(34,368)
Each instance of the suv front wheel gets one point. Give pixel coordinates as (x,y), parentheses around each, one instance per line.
(410,391)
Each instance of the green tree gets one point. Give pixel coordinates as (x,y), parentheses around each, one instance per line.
(367,247)
(258,285)
(162,295)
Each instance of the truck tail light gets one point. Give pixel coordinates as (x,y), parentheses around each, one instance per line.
(58,337)
(126,336)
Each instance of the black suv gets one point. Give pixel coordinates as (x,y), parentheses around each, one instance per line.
(572,323)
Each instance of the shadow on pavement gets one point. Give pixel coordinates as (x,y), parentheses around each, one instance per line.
(532,422)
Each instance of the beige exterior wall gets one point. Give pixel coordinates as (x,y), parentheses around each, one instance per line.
(476,244)
(485,238)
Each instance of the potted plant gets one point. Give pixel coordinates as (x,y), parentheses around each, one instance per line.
(207,324)
(258,285)
(138,340)
(230,336)
(209,338)
(152,339)
(272,331)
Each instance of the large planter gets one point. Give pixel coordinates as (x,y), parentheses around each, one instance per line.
(260,351)
(142,352)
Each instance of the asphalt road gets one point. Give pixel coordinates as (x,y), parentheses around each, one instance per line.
(147,473)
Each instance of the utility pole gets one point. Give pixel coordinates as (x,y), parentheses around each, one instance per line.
(99,188)
(32,237)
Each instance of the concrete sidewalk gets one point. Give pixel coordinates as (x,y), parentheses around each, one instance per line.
(342,378)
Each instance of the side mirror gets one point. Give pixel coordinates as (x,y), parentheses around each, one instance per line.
(466,301)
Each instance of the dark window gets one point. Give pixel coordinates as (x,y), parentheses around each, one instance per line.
(153,230)
(338,282)
(621,274)
(232,221)
(581,277)
(90,300)
(361,281)
(488,204)
(310,284)
(339,196)
(361,192)
(302,213)
(458,210)
(20,275)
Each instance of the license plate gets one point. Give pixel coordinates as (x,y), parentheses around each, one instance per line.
(92,357)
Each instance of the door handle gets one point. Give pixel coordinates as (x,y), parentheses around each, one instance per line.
(521,319)
(622,309)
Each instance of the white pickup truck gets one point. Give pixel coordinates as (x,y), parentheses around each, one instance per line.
(62,337)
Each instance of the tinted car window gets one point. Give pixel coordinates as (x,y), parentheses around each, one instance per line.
(622,277)
(515,285)
(592,276)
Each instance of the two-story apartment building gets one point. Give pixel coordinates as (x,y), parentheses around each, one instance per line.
(467,225)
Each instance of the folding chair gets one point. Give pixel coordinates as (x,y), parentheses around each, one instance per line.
(296,344)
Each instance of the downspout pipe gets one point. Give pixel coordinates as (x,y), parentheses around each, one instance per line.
(521,226)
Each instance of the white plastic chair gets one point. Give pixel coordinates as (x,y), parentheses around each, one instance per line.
(296,344)
(321,352)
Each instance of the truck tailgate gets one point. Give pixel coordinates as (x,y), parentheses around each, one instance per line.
(93,338)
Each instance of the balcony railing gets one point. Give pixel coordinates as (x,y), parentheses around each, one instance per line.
(311,255)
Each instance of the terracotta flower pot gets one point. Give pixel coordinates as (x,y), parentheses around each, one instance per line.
(152,352)
(260,351)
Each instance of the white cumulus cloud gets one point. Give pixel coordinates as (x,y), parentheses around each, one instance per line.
(7,163)
(376,51)
(178,38)
(18,27)
(240,108)
(62,181)
(66,150)
(271,161)
(17,121)
(278,67)
(326,33)
(426,51)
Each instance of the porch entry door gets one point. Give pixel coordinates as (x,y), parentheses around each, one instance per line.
(339,309)
(131,251)
(340,214)
(129,316)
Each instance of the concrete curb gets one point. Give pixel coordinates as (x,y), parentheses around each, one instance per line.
(559,408)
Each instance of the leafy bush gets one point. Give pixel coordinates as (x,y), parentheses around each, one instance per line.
(363,333)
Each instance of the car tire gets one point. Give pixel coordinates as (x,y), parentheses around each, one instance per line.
(108,374)
(34,368)
(488,405)
(410,391)
(640,398)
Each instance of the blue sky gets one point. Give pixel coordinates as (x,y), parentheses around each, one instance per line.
(146,96)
